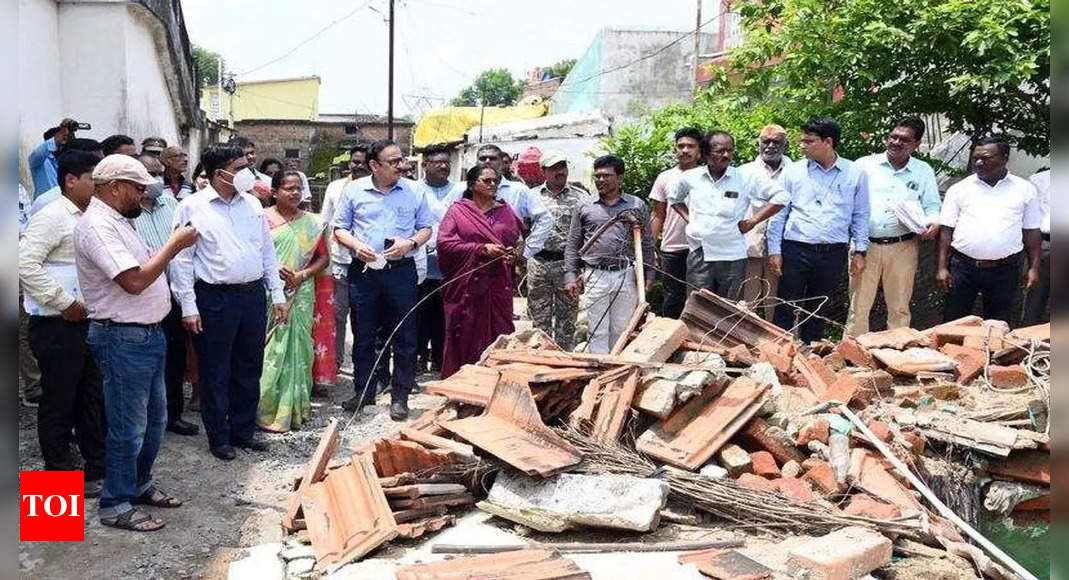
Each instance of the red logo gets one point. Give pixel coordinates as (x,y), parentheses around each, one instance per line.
(51,506)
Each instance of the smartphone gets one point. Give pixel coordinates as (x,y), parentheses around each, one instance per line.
(386,245)
(84,126)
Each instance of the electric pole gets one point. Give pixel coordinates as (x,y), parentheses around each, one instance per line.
(389,98)
(697,47)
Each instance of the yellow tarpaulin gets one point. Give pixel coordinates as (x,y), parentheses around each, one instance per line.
(448,125)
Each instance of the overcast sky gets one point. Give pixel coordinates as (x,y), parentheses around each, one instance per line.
(440,45)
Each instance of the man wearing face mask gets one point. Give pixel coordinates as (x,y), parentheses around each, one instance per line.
(220,283)
(154,228)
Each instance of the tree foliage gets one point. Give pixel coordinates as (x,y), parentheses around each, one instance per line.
(494,87)
(984,66)
(560,69)
(207,65)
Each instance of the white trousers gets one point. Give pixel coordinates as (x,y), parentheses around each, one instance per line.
(609,300)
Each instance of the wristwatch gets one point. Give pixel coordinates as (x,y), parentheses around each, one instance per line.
(415,244)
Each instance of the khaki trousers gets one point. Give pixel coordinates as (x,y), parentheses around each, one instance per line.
(895,267)
(754,287)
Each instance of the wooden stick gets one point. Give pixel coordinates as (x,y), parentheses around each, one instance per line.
(588,548)
(632,325)
(640,269)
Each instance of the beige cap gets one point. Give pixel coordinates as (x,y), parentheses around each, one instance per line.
(172,151)
(117,167)
(551,158)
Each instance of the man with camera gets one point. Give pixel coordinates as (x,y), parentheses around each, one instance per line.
(44,165)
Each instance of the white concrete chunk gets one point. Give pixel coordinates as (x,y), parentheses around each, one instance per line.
(845,554)
(262,563)
(713,471)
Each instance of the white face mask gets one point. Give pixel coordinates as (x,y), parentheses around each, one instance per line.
(243,180)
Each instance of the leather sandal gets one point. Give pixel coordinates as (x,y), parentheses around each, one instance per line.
(134,520)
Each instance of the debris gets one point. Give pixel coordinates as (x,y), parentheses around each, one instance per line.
(606,403)
(726,564)
(418,528)
(791,469)
(604,501)
(868,474)
(990,438)
(854,353)
(760,435)
(839,455)
(896,338)
(1032,466)
(736,460)
(1003,497)
(261,563)
(970,360)
(816,429)
(713,320)
(588,547)
(915,360)
(393,457)
(713,471)
(845,554)
(658,340)
(636,320)
(697,430)
(433,501)
(519,564)
(865,505)
(821,476)
(433,441)
(1011,377)
(764,465)
(316,470)
(471,384)
(512,430)
(423,489)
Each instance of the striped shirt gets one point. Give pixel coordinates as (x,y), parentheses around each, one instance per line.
(154,225)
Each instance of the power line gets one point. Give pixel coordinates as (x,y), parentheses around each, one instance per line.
(307,40)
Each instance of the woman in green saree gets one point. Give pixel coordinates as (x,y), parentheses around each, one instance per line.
(286,382)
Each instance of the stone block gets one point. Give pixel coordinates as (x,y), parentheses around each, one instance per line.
(791,469)
(764,464)
(736,460)
(713,471)
(568,500)
(1011,377)
(845,554)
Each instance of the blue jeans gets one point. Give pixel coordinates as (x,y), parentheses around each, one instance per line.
(131,361)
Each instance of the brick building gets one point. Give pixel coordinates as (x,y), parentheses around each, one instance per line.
(312,142)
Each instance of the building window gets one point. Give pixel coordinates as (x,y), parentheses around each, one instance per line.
(293,153)
(351,130)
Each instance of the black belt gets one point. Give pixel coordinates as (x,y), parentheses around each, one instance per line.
(1046,236)
(239,287)
(893,240)
(611,267)
(111,323)
(390,264)
(819,247)
(550,256)
(1011,259)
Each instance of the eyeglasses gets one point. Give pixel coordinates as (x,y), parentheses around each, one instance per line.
(137,186)
(395,162)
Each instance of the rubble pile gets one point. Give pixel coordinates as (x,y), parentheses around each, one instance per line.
(717,417)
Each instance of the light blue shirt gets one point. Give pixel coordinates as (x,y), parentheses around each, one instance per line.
(717,205)
(889,186)
(528,206)
(44,199)
(43,166)
(827,206)
(372,216)
(440,198)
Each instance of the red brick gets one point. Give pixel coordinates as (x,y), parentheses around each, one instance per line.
(761,436)
(994,344)
(866,506)
(844,554)
(1031,466)
(916,442)
(970,360)
(821,475)
(816,430)
(1012,377)
(844,389)
(778,355)
(794,488)
(818,377)
(855,353)
(835,361)
(764,464)
(957,334)
(756,482)
(880,430)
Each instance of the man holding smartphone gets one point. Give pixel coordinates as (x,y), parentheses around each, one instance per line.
(44,168)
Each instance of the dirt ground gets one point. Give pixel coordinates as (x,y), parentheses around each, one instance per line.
(228,505)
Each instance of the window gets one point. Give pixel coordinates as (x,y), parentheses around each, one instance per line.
(351,130)
(293,153)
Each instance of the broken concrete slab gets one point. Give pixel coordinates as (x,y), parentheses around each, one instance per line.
(657,341)
(260,563)
(914,360)
(845,554)
(569,500)
(896,338)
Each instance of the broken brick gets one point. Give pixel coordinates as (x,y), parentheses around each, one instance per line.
(970,360)
(880,430)
(867,506)
(984,343)
(844,554)
(896,338)
(1031,466)
(958,333)
(844,389)
(1039,332)
(815,374)
(816,430)
(779,355)
(835,361)
(756,482)
(916,442)
(821,475)
(856,354)
(1012,377)
(872,384)
(764,464)
(759,434)
(795,488)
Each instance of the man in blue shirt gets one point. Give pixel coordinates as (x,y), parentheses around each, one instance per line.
(383,219)
(808,241)
(44,168)
(526,204)
(895,178)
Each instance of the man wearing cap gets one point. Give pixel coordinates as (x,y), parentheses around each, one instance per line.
(175,162)
(126,297)
(222,283)
(550,306)
(153,146)
(71,397)
(529,168)
(761,283)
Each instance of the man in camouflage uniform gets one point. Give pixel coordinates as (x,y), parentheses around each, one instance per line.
(551,308)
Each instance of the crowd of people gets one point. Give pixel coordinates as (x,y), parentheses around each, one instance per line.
(138,277)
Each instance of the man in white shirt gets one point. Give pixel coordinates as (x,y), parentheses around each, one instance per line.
(980,244)
(761,283)
(895,177)
(713,201)
(441,192)
(1035,301)
(221,283)
(668,226)
(340,258)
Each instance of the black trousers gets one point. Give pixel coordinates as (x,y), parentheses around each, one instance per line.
(72,396)
(380,299)
(230,356)
(174,372)
(431,321)
(998,286)
(675,287)
(1035,302)
(809,271)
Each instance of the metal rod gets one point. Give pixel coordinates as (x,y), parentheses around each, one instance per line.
(389,98)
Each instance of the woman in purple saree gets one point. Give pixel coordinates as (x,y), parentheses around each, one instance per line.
(477,229)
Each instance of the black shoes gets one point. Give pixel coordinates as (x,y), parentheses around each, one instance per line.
(354,404)
(252,444)
(399,410)
(224,452)
(183,427)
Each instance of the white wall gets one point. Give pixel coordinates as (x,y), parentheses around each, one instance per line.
(40,99)
(149,110)
(93,64)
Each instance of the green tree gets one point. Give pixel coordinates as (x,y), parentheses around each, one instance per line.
(494,87)
(561,68)
(207,65)
(984,66)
